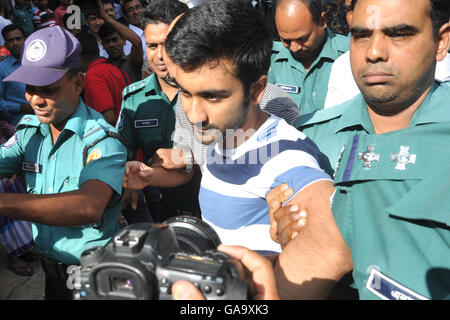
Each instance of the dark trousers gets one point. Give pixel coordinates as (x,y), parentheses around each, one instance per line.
(55,280)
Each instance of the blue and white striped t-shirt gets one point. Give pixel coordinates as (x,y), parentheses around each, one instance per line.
(236,181)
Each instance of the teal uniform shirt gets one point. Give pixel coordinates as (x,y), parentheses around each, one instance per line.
(146,122)
(307,89)
(391,203)
(147,117)
(331,128)
(82,152)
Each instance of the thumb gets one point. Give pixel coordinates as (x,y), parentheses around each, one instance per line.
(184,290)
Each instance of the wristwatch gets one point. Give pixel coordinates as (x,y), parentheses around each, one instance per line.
(189,160)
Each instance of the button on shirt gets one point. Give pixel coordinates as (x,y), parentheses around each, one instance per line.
(57,168)
(307,89)
(12,94)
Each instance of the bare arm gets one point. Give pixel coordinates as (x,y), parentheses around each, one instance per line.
(311,264)
(138,175)
(110,116)
(74,208)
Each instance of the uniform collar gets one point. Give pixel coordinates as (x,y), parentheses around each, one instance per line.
(355,114)
(433,109)
(77,121)
(154,86)
(435,106)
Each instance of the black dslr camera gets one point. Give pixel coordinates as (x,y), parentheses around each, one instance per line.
(143,260)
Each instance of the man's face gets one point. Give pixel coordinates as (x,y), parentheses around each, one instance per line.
(113,44)
(213,99)
(43,4)
(392,52)
(298,32)
(14,41)
(155,34)
(94,23)
(55,103)
(109,10)
(133,12)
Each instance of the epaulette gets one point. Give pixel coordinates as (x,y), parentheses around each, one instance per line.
(28,120)
(277,46)
(95,132)
(133,88)
(342,46)
(321,116)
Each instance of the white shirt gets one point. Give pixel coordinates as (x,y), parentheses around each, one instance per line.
(342,86)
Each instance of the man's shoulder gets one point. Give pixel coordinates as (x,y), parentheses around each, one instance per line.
(322,117)
(340,42)
(141,90)
(28,121)
(279,51)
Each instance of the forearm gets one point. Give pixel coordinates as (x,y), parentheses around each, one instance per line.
(169,178)
(65,209)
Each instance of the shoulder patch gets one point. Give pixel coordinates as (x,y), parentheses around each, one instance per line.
(28,120)
(132,89)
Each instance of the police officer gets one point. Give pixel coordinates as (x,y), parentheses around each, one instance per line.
(147,118)
(301,62)
(391,177)
(73,164)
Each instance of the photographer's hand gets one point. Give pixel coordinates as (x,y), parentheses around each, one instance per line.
(261,275)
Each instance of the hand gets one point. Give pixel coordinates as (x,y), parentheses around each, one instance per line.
(260,270)
(137,175)
(285,222)
(101,10)
(170,159)
(130,197)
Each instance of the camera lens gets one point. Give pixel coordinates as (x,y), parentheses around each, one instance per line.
(193,235)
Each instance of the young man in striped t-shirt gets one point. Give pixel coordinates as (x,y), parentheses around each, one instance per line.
(222,77)
(43,17)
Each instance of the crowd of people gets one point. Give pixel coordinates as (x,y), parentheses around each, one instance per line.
(301,131)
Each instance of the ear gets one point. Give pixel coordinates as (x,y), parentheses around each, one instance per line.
(323,21)
(443,42)
(257,90)
(78,82)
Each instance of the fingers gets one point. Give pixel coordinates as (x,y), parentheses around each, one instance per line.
(260,268)
(185,290)
(134,198)
(276,197)
(290,225)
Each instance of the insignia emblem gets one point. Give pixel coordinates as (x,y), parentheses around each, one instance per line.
(94,155)
(12,141)
(369,156)
(403,158)
(36,50)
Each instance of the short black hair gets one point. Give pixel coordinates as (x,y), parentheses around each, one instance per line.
(12,27)
(439,13)
(164,11)
(89,45)
(315,7)
(222,29)
(107,29)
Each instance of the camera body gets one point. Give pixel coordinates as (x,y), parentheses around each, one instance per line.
(144,260)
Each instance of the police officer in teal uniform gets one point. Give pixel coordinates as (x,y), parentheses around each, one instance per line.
(389,150)
(301,62)
(73,160)
(147,118)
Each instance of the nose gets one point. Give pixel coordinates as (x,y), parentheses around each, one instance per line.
(194,110)
(159,52)
(295,46)
(37,100)
(377,49)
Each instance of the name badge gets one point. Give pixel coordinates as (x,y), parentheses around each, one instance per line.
(289,88)
(148,123)
(31,167)
(388,289)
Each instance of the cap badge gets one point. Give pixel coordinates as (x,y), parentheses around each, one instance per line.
(36,50)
